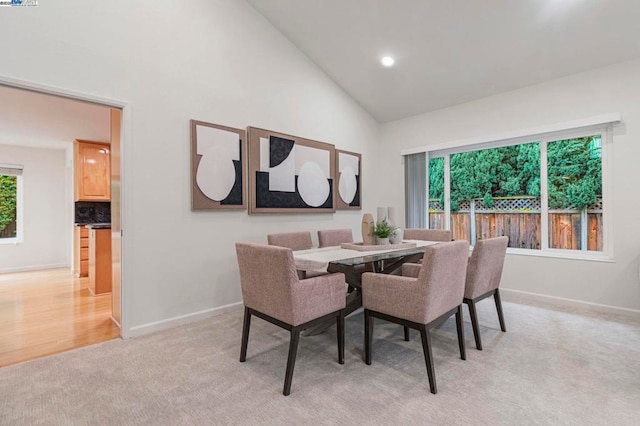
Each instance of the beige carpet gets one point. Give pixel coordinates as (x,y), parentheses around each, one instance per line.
(552,367)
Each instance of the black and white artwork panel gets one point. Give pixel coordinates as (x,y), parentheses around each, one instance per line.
(291,174)
(348,171)
(217,167)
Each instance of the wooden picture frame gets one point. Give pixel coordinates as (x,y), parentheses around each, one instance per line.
(218,167)
(348,182)
(289,174)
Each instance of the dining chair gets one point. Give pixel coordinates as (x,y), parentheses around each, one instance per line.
(483,279)
(420,303)
(334,237)
(440,235)
(292,240)
(272,291)
(427,234)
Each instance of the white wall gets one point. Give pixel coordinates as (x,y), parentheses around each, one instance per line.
(33,119)
(46,218)
(217,61)
(611,89)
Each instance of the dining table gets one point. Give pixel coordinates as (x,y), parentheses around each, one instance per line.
(353,263)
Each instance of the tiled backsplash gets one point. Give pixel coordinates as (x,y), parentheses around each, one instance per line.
(90,212)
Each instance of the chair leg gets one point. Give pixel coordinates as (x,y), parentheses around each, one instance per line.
(246,324)
(368,336)
(340,327)
(496,298)
(406,334)
(474,324)
(291,360)
(460,328)
(428,357)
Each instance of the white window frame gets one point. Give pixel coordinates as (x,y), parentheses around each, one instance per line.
(600,125)
(19,238)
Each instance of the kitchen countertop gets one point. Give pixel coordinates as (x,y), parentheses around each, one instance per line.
(98,225)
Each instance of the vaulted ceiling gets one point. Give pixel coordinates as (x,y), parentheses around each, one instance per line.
(449,52)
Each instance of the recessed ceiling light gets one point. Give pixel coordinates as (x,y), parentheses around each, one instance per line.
(387,61)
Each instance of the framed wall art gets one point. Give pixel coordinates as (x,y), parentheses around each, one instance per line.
(349,180)
(289,174)
(218,167)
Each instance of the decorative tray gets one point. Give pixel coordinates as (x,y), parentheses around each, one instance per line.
(360,247)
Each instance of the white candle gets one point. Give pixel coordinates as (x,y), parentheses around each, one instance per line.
(382,214)
(391,216)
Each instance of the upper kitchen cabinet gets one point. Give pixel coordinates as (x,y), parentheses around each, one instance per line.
(93,171)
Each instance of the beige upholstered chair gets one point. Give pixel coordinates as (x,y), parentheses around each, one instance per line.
(483,279)
(292,240)
(441,235)
(334,237)
(272,291)
(427,234)
(420,303)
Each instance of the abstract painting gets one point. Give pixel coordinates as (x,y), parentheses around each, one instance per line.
(218,161)
(349,176)
(289,174)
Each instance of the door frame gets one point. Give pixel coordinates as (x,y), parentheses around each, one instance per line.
(125,169)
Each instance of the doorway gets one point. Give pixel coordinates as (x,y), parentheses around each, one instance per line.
(45,308)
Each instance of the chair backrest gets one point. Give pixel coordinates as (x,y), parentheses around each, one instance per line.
(292,240)
(485,266)
(267,276)
(427,234)
(443,275)
(334,237)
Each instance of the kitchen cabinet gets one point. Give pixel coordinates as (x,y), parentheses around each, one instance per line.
(81,247)
(99,259)
(92,171)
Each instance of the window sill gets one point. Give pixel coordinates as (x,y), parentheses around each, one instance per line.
(10,241)
(564,254)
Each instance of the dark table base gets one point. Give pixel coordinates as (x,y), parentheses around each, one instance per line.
(353,277)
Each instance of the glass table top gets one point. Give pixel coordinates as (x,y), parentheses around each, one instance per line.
(395,254)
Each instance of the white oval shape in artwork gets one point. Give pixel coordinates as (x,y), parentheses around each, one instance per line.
(313,185)
(348,185)
(216,174)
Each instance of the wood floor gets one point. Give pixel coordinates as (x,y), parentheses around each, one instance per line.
(46,312)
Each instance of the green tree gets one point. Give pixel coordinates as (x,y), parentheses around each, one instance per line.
(495,172)
(574,172)
(436,178)
(8,191)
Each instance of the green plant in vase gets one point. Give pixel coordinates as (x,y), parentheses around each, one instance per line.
(383,231)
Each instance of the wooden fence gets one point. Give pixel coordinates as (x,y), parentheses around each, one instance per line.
(9,231)
(523,225)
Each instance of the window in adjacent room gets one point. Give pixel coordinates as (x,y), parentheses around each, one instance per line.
(10,204)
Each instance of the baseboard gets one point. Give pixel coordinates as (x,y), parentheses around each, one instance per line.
(151,327)
(562,301)
(34,268)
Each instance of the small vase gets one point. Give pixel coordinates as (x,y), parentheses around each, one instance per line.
(397,236)
(382,241)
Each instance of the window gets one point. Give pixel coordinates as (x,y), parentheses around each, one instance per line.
(544,193)
(436,193)
(10,204)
